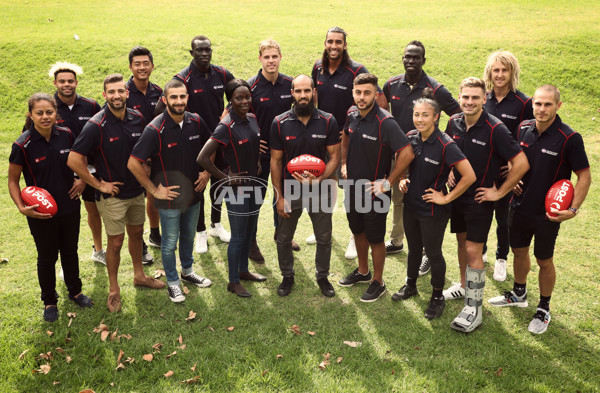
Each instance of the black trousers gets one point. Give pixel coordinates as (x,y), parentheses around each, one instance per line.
(57,234)
(215,210)
(425,232)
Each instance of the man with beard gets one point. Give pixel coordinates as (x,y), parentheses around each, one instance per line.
(371,138)
(143,96)
(270,97)
(75,111)
(109,137)
(401,92)
(333,76)
(304,130)
(205,83)
(173,140)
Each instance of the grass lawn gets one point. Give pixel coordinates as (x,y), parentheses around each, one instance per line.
(235,344)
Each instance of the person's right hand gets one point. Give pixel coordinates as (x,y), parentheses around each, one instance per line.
(30,211)
(111,188)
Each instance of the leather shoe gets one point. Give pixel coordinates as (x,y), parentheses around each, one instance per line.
(238,289)
(255,253)
(326,287)
(406,292)
(247,276)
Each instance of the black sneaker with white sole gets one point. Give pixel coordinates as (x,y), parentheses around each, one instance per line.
(373,293)
(155,241)
(176,294)
(354,278)
(147,257)
(425,266)
(197,280)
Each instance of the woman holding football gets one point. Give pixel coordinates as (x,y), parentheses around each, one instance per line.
(237,139)
(40,154)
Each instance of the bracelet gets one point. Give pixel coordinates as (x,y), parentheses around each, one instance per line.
(573,210)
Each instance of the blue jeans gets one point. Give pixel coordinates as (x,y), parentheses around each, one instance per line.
(243,218)
(178,224)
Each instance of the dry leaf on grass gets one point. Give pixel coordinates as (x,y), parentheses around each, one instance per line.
(279,357)
(191,380)
(87,391)
(100,327)
(169,374)
(68,358)
(127,336)
(121,353)
(182,347)
(194,368)
(22,355)
(311,333)
(113,336)
(104,335)
(296,329)
(191,316)
(173,354)
(157,347)
(45,356)
(159,273)
(55,383)
(148,357)
(499,372)
(339,360)
(230,328)
(70,322)
(180,339)
(120,366)
(49,333)
(45,368)
(211,329)
(129,360)
(71,314)
(353,344)
(264,372)
(323,365)
(60,350)
(186,291)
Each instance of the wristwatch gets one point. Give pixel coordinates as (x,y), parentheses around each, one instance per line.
(573,210)
(385,185)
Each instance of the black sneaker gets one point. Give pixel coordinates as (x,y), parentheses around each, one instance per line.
(435,308)
(326,287)
(176,294)
(154,241)
(197,280)
(354,278)
(373,293)
(406,292)
(147,257)
(286,286)
(425,266)
(82,300)
(51,314)
(391,248)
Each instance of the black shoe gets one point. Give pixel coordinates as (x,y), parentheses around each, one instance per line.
(435,308)
(286,286)
(82,300)
(373,293)
(354,278)
(255,253)
(147,257)
(51,314)
(391,248)
(406,292)
(238,289)
(425,266)
(154,241)
(326,287)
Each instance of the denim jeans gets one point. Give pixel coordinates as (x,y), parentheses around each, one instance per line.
(178,224)
(243,218)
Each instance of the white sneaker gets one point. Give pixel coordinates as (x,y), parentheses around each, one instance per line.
(455,292)
(201,245)
(351,250)
(500,270)
(217,230)
(540,321)
(99,256)
(311,239)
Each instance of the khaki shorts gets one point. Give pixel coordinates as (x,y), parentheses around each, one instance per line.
(117,213)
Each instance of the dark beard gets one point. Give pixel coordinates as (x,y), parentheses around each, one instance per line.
(304,110)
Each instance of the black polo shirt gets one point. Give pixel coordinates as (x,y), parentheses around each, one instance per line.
(44,164)
(433,161)
(552,156)
(335,90)
(109,141)
(269,100)
(402,98)
(487,145)
(205,91)
(145,103)
(290,135)
(173,149)
(512,110)
(75,118)
(373,142)
(240,140)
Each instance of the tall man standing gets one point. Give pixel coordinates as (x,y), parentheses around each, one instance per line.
(75,111)
(487,144)
(173,140)
(333,76)
(205,83)
(304,129)
(371,138)
(554,151)
(109,137)
(143,96)
(401,92)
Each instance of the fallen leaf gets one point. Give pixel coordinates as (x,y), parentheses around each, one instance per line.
(49,333)
(100,327)
(186,291)
(279,357)
(104,335)
(148,357)
(71,314)
(157,347)
(55,383)
(60,350)
(129,360)
(191,380)
(87,391)
(230,328)
(323,365)
(70,322)
(159,273)
(194,368)
(112,384)
(339,360)
(192,316)
(169,374)
(68,340)
(296,329)
(499,372)
(22,355)
(182,347)
(162,314)
(45,368)
(68,359)
(264,372)
(127,336)
(211,329)
(327,355)
(180,339)
(353,344)
(121,366)
(393,372)
(45,356)
(311,333)
(173,354)
(121,353)
(113,336)
(417,347)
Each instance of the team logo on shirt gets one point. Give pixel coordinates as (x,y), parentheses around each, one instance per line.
(319,83)
(508,116)
(137,106)
(63,151)
(242,141)
(480,143)
(286,96)
(218,87)
(340,87)
(170,145)
(191,138)
(427,159)
(134,134)
(552,153)
(83,118)
(262,99)
(319,136)
(198,91)
(369,137)
(350,130)
(289,138)
(114,138)
(523,144)
(39,159)
(395,98)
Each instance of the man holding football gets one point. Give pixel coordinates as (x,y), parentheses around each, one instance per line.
(553,150)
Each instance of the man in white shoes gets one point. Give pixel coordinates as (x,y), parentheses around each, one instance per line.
(554,151)
(488,144)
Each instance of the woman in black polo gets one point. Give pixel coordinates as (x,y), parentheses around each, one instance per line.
(426,199)
(237,139)
(40,154)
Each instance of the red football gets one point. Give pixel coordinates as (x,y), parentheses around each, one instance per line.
(559,196)
(306,162)
(33,195)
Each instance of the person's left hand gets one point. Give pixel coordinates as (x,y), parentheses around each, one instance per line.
(76,189)
(202,180)
(484,194)
(561,215)
(434,196)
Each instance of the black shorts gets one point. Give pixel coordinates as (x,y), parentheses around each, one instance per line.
(474,219)
(522,229)
(371,222)
(89,194)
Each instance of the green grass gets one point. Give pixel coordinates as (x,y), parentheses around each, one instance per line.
(555,42)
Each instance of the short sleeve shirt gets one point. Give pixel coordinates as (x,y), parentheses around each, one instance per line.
(552,156)
(173,150)
(240,140)
(373,142)
(487,145)
(44,164)
(434,157)
(109,141)
(512,110)
(145,103)
(290,135)
(75,118)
